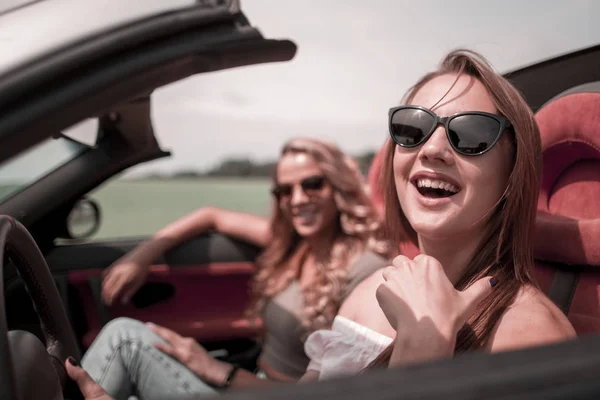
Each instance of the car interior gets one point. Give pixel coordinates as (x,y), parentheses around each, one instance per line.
(52,278)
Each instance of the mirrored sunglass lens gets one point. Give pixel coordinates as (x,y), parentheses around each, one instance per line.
(410,126)
(473,134)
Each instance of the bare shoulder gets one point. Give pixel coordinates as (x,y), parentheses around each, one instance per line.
(362,296)
(361,305)
(532,320)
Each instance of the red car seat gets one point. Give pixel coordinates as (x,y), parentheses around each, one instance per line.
(567,242)
(567,238)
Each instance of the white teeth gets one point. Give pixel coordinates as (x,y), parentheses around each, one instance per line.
(305,214)
(436,184)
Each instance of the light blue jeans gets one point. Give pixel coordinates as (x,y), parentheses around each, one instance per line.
(124,361)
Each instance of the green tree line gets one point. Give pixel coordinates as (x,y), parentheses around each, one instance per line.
(245,167)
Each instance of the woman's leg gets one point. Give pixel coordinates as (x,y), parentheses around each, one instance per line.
(124,362)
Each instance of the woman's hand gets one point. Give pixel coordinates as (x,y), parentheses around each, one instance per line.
(88,388)
(188,352)
(424,307)
(122,280)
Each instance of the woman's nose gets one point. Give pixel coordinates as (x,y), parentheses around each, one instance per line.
(298,195)
(437,148)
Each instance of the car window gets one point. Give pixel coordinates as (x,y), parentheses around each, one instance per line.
(26,168)
(141,205)
(204,169)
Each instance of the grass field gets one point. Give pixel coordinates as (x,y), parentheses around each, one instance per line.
(134,208)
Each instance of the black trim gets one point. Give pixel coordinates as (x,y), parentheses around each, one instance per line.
(95,282)
(152,293)
(64,61)
(563,287)
(568,370)
(590,87)
(542,81)
(202,250)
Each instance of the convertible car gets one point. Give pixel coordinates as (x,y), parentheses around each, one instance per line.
(103,73)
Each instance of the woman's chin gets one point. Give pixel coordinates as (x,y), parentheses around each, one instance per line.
(438,229)
(307,231)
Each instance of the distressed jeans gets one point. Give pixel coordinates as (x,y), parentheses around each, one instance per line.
(124,361)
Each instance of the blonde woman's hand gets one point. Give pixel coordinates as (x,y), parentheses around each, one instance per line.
(195,357)
(122,280)
(424,307)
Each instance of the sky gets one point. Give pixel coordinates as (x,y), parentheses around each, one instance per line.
(355,60)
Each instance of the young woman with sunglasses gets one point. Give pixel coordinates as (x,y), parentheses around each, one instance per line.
(460,177)
(321,241)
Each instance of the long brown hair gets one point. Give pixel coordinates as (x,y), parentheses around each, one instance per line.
(505,251)
(359,228)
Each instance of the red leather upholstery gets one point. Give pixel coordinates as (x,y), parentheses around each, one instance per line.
(568,223)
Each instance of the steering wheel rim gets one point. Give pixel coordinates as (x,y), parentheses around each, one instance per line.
(17,244)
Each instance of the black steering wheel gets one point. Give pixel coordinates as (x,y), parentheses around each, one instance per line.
(28,368)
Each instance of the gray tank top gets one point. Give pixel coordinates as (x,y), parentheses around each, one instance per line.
(283,347)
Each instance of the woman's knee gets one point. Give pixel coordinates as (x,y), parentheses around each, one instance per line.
(123,325)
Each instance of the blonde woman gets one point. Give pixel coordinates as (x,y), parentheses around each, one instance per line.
(321,241)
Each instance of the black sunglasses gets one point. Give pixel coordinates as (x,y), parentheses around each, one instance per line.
(470,133)
(310,186)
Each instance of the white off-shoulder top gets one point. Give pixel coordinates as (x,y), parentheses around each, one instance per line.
(346,349)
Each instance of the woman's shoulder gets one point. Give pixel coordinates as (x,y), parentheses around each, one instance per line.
(361,305)
(532,320)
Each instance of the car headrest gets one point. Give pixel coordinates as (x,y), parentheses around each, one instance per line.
(568,222)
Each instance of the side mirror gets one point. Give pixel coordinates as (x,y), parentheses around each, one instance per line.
(83,220)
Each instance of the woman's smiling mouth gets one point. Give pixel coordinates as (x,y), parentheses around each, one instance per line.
(435,188)
(434,185)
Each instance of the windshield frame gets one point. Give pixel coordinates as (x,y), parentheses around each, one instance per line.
(15,175)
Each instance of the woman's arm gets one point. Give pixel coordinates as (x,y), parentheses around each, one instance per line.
(246,227)
(125,276)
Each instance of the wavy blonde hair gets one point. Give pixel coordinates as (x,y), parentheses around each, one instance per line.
(359,229)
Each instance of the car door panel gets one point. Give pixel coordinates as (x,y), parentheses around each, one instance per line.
(199,289)
(207,302)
